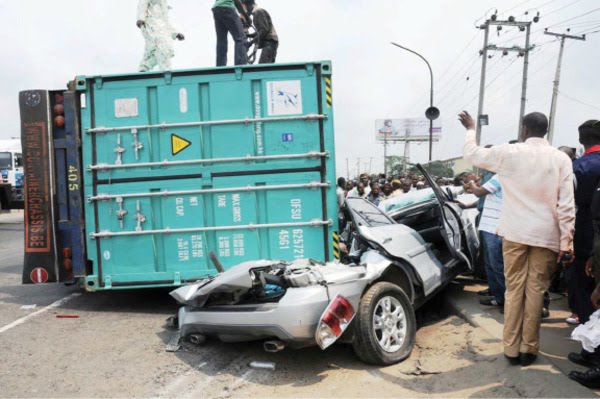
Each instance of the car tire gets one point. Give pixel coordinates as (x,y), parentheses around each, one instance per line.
(367,336)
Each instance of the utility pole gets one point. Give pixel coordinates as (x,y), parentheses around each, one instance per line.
(484,54)
(347,170)
(563,37)
(358,167)
(385,143)
(523,26)
(406,150)
(524,87)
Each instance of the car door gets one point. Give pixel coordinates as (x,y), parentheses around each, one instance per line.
(450,224)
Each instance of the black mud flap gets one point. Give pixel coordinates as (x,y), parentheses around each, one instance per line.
(40,261)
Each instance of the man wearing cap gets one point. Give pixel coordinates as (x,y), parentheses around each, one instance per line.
(536,225)
(580,285)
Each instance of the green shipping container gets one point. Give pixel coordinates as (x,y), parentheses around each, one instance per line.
(237,161)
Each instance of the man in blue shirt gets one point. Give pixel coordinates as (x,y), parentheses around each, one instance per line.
(587,178)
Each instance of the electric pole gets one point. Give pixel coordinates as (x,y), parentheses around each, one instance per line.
(385,143)
(525,70)
(523,26)
(347,170)
(484,54)
(563,37)
(406,150)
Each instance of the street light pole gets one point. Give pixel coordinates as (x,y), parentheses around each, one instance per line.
(430,97)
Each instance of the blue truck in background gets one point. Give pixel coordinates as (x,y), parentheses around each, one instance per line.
(138,180)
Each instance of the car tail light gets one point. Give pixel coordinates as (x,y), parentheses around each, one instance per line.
(334,321)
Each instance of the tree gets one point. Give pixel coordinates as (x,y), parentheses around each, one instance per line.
(395,165)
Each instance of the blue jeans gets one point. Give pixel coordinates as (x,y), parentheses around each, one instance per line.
(227,20)
(494,264)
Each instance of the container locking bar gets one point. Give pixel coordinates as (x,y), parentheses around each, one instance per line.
(245,121)
(109,234)
(248,158)
(167,193)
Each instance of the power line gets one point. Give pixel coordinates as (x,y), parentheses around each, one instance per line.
(518,5)
(589,30)
(536,8)
(578,101)
(578,16)
(577,24)
(459,71)
(545,64)
(561,8)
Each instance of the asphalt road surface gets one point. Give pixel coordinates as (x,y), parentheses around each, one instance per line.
(116,348)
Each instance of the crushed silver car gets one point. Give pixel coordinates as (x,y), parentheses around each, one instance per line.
(389,270)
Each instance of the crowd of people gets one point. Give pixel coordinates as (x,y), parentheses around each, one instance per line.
(377,188)
(539,224)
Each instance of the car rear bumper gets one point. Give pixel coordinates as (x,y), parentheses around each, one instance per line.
(293,319)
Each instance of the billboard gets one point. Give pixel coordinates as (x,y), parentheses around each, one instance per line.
(408,129)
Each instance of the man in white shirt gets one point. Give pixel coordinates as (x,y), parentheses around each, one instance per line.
(361,192)
(537,222)
(358,191)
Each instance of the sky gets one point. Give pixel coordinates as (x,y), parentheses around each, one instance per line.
(45,44)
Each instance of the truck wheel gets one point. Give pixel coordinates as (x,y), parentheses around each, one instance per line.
(385,325)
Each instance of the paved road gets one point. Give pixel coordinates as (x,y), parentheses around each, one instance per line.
(116,348)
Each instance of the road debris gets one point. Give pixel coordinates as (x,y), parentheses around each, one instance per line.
(262,365)
(174,343)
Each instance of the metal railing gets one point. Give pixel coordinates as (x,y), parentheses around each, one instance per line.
(247,121)
(248,158)
(109,234)
(167,193)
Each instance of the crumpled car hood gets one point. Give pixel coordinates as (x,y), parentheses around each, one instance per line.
(238,280)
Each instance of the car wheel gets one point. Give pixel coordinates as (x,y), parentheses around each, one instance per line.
(385,325)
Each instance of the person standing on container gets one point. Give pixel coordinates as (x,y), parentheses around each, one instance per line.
(227,20)
(266,35)
(536,224)
(153,20)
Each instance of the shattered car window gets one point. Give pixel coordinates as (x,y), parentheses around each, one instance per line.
(366,214)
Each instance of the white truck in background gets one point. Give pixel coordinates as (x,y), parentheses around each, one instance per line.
(11,175)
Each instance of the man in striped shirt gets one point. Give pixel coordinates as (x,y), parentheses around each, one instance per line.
(492,242)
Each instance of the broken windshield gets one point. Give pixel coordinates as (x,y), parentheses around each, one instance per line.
(366,214)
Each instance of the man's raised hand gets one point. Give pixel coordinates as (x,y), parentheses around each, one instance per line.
(466,120)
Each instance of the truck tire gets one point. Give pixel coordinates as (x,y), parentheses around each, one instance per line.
(385,325)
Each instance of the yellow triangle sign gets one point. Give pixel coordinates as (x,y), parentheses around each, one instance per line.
(178,144)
